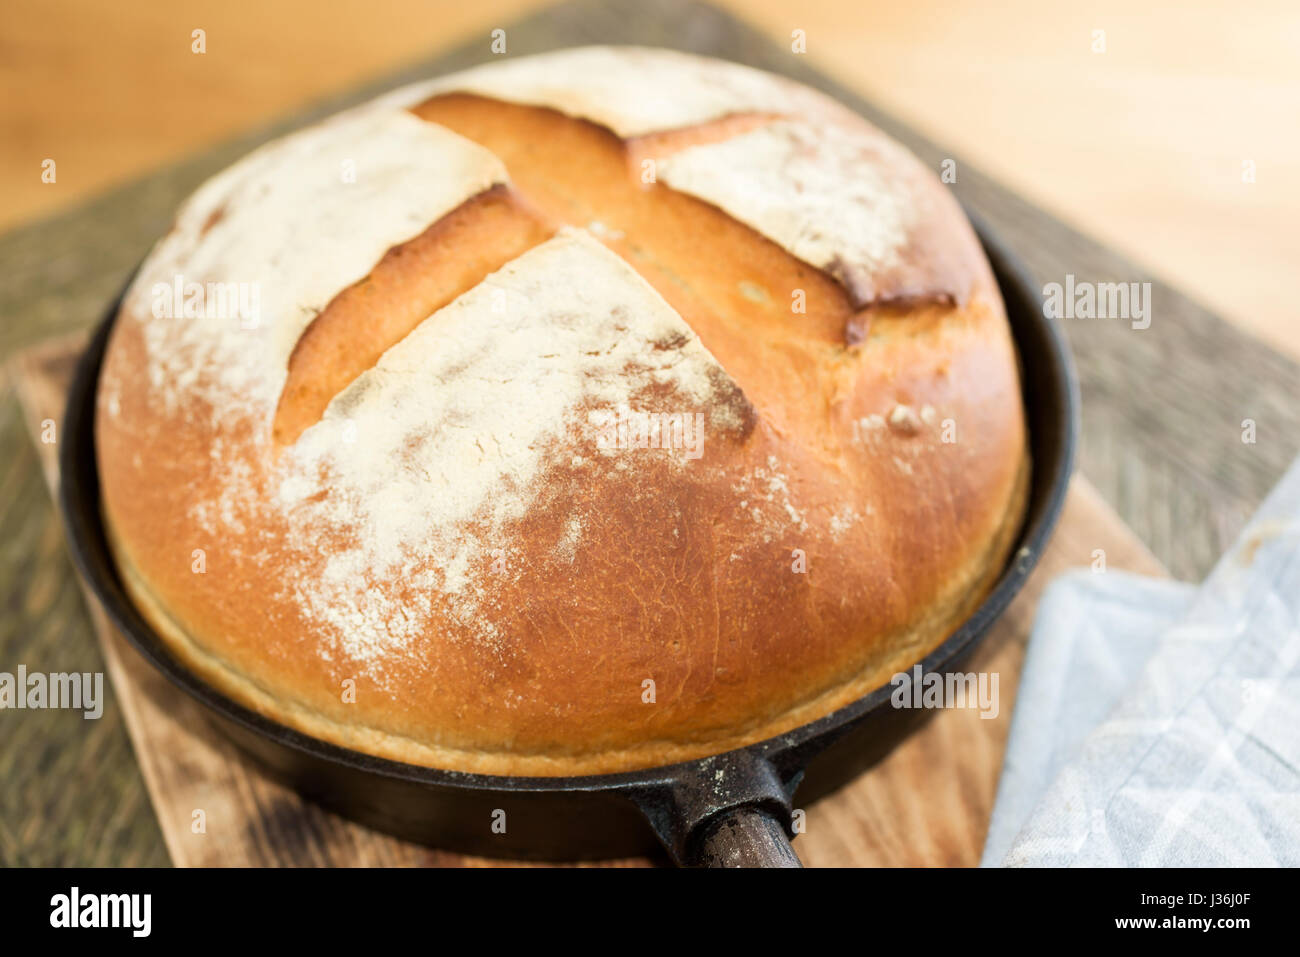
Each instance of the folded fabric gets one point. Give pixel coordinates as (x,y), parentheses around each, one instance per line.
(1158,723)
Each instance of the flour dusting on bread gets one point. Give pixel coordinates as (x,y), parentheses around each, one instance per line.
(631,91)
(299,220)
(430,454)
(822,193)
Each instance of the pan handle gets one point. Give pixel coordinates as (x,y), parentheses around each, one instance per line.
(744,837)
(731,810)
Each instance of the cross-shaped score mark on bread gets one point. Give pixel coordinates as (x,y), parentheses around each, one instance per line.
(728,282)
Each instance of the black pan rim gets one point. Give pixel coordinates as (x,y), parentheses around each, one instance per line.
(80,508)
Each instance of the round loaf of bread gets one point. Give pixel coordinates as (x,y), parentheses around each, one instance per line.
(572,414)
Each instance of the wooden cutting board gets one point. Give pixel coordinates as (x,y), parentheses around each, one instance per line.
(927,803)
(1161,440)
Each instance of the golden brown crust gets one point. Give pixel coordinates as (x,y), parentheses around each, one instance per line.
(857,497)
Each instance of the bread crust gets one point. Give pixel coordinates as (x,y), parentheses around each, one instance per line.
(862,480)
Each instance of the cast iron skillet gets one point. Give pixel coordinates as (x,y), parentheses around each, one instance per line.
(730,809)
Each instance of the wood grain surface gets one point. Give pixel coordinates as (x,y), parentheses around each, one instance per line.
(1162,442)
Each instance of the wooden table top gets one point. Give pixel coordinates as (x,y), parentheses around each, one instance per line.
(1162,412)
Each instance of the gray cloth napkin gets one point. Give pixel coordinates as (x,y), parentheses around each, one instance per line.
(1158,723)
